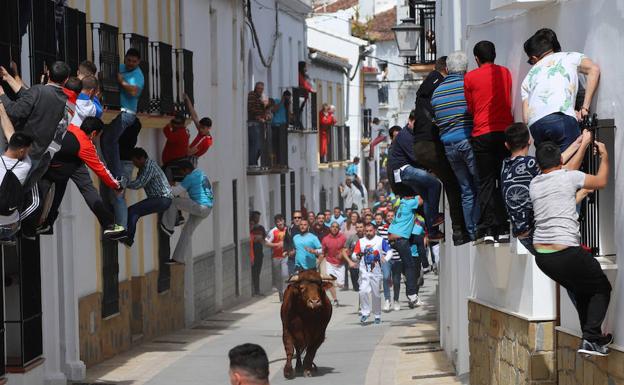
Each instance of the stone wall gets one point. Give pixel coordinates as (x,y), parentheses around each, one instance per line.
(143,313)
(505,349)
(577,369)
(205,296)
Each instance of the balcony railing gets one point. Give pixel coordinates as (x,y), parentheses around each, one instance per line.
(141,43)
(337,144)
(274,150)
(161,78)
(304,110)
(184,78)
(423,12)
(106,54)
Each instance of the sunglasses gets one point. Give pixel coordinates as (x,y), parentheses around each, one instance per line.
(297,217)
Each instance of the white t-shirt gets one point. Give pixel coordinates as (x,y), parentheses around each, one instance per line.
(551,85)
(554,207)
(21,170)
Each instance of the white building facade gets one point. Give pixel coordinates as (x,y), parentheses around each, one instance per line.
(502,286)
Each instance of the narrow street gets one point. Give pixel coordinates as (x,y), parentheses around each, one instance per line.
(404,349)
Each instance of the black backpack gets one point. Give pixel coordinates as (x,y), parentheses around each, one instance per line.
(11,191)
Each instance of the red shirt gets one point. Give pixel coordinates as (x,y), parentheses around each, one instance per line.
(202,142)
(488,94)
(332,245)
(276,236)
(176,146)
(326,119)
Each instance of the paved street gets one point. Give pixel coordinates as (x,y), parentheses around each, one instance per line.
(402,350)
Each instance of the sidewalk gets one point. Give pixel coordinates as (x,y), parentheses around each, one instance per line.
(404,349)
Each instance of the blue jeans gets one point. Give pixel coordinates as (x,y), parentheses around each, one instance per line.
(145,207)
(411,266)
(461,158)
(559,128)
(110,142)
(392,271)
(428,187)
(254,135)
(119,202)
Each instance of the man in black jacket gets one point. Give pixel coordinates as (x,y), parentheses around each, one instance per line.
(429,151)
(38,109)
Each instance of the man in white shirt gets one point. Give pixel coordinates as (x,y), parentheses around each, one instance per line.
(549,90)
(370,251)
(351,195)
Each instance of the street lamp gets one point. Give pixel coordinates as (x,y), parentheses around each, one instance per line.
(408,35)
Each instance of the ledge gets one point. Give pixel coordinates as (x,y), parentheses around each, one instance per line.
(509,312)
(517,4)
(607,263)
(147,120)
(24,369)
(294,131)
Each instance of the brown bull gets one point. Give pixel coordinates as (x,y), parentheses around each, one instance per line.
(306,311)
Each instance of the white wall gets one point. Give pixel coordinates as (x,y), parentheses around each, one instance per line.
(591,27)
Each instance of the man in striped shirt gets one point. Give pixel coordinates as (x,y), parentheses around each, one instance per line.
(455,123)
(153,180)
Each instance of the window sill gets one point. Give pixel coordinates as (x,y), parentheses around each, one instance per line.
(25,369)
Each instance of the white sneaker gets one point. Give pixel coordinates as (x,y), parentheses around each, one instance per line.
(386,306)
(397,306)
(418,302)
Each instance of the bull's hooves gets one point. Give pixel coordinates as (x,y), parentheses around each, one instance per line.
(307,373)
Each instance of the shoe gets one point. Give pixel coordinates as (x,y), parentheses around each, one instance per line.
(397,306)
(593,349)
(386,306)
(114,230)
(436,235)
(489,239)
(439,219)
(336,304)
(118,236)
(126,241)
(44,229)
(173,262)
(377,320)
(418,302)
(166,230)
(606,339)
(460,238)
(503,238)
(363,319)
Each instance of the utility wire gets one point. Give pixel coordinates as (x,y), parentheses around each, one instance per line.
(265,61)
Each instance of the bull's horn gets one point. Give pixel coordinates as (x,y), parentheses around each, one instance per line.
(293,279)
(328,277)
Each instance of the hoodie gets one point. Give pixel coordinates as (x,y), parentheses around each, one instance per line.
(424,128)
(85,107)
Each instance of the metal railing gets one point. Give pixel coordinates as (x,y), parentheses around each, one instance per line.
(304,110)
(423,12)
(337,144)
(184,78)
(106,54)
(273,148)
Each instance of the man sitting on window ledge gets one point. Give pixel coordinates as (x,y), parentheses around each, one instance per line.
(153,180)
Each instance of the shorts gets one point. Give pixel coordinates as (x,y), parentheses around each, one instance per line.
(337,271)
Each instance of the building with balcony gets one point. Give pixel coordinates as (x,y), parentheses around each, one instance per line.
(71,299)
(501,319)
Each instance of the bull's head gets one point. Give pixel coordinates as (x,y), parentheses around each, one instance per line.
(311,286)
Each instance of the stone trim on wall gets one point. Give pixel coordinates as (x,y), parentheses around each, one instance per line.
(143,314)
(579,369)
(505,349)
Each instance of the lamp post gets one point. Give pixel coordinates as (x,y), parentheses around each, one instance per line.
(408,36)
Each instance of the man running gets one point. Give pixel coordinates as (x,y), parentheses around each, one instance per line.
(370,250)
(275,240)
(333,245)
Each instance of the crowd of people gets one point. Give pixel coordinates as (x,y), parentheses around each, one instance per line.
(372,247)
(49,136)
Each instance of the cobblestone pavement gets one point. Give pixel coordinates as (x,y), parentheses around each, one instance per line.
(404,349)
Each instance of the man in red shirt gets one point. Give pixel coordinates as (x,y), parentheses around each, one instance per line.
(275,240)
(488,94)
(333,248)
(203,140)
(178,137)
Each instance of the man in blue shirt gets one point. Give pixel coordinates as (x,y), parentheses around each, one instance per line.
(131,83)
(399,232)
(308,248)
(337,217)
(455,124)
(279,126)
(198,204)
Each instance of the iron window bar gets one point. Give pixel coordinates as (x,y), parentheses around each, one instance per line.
(105,44)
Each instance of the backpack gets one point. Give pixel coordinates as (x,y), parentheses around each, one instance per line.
(11,191)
